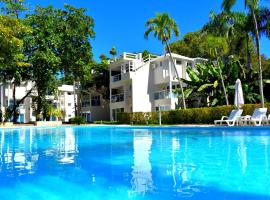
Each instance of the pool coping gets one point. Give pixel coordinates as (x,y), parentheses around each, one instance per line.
(182,127)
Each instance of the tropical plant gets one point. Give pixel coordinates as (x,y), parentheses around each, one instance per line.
(163,27)
(216,46)
(113,52)
(252,6)
(203,84)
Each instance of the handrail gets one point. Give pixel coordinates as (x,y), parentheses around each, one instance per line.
(117,98)
(116,78)
(163,94)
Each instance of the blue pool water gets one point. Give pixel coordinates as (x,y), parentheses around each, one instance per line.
(96,163)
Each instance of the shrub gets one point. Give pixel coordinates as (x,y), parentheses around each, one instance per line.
(77,120)
(205,115)
(105,122)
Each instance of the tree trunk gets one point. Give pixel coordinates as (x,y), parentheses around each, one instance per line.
(249,63)
(179,80)
(259,57)
(222,80)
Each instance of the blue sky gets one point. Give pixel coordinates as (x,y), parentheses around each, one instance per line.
(120,23)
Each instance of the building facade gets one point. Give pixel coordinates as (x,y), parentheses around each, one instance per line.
(64,100)
(140,84)
(95,107)
(25,109)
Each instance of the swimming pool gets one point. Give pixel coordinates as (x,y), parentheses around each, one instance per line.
(110,162)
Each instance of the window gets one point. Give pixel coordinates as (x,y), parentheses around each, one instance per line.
(69,115)
(95,100)
(86,103)
(69,104)
(178,62)
(160,64)
(69,93)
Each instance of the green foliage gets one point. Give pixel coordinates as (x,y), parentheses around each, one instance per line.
(74,29)
(189,45)
(12,59)
(212,43)
(59,43)
(77,120)
(13,7)
(204,84)
(113,51)
(205,115)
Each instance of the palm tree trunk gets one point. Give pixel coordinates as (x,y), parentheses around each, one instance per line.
(248,52)
(180,82)
(222,80)
(259,57)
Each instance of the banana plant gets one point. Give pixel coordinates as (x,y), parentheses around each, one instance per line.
(203,81)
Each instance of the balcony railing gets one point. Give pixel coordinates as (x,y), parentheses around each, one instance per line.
(116,78)
(163,94)
(117,98)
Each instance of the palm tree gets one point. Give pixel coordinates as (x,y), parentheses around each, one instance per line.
(113,52)
(163,27)
(252,5)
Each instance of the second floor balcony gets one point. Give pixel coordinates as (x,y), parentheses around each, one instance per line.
(164,94)
(117,98)
(116,78)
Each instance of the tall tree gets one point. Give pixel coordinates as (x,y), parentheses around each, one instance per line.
(113,52)
(252,6)
(59,44)
(17,73)
(163,27)
(40,49)
(14,68)
(75,51)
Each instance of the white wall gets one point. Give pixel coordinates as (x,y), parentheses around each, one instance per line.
(141,89)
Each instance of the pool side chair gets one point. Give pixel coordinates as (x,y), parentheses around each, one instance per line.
(230,120)
(258,117)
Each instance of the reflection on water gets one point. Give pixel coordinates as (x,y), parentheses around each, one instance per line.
(141,170)
(144,163)
(20,149)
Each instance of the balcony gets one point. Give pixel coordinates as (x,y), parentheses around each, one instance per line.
(117,98)
(116,78)
(163,94)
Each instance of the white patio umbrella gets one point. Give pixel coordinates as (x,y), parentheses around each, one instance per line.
(238,97)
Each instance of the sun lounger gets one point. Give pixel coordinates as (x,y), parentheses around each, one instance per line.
(230,120)
(258,117)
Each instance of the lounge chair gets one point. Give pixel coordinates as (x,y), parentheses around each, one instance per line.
(258,117)
(230,120)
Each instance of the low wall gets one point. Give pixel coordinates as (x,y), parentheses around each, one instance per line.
(48,123)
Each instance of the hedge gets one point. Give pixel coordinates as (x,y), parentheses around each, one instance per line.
(205,115)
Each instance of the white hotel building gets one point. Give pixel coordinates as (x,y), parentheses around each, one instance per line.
(64,100)
(93,106)
(144,84)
